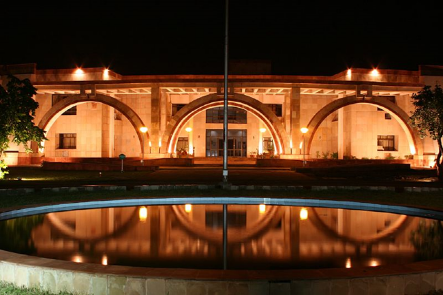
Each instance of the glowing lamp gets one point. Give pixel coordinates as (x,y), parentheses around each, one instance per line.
(262,130)
(303,214)
(348,263)
(105,260)
(143,129)
(188,129)
(304,130)
(188,208)
(375,72)
(79,71)
(77,259)
(143,214)
(349,72)
(262,208)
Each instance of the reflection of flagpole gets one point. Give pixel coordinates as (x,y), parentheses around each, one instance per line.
(225,104)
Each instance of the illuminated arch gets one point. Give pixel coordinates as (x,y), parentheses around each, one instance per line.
(415,143)
(258,109)
(75,99)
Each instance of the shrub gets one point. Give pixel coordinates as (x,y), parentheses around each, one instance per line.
(3,172)
(334,155)
(325,155)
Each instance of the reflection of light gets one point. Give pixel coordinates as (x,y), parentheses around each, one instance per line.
(262,130)
(303,214)
(375,73)
(143,129)
(79,71)
(301,144)
(77,258)
(149,143)
(304,130)
(348,263)
(188,129)
(105,260)
(262,208)
(188,208)
(374,262)
(143,213)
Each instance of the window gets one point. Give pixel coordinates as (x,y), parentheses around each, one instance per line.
(176,107)
(214,219)
(235,115)
(276,109)
(71,111)
(386,143)
(387,116)
(183,143)
(67,141)
(268,144)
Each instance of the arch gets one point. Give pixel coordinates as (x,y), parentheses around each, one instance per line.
(415,143)
(258,109)
(75,99)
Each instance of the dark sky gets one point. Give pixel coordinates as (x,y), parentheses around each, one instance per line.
(187,36)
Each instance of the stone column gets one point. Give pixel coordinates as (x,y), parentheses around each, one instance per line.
(340,137)
(296,134)
(155,118)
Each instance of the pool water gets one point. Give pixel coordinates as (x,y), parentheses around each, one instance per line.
(259,237)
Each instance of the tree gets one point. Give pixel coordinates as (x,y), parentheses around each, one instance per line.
(428,118)
(17,114)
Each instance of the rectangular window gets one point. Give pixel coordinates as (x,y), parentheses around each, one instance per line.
(276,109)
(67,141)
(386,143)
(268,144)
(235,115)
(176,107)
(183,143)
(58,97)
(214,219)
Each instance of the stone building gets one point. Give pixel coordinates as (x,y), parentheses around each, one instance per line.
(95,112)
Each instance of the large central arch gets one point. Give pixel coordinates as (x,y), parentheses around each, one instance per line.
(75,99)
(258,109)
(415,143)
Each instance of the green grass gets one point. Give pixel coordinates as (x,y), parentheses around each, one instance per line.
(10,289)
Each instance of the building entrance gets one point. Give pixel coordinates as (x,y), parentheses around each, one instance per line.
(236,143)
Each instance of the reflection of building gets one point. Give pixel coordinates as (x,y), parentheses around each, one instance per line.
(258,236)
(98,113)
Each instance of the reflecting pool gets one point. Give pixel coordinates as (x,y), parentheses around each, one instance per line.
(259,237)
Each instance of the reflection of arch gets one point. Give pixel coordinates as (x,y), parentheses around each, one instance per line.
(402,118)
(270,218)
(386,233)
(258,109)
(75,99)
(68,231)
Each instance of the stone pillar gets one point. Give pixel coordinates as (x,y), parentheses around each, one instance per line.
(296,134)
(155,118)
(340,138)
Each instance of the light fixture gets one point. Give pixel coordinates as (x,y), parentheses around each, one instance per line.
(105,260)
(374,262)
(79,71)
(143,129)
(188,208)
(304,130)
(106,73)
(77,259)
(348,263)
(349,72)
(375,72)
(188,129)
(303,214)
(262,208)
(262,130)
(143,214)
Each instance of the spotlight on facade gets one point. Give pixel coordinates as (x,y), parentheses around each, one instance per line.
(105,260)
(349,72)
(348,263)
(262,208)
(188,208)
(77,259)
(143,129)
(374,262)
(375,73)
(143,214)
(303,214)
(79,71)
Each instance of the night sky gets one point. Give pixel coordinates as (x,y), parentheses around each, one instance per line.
(187,37)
